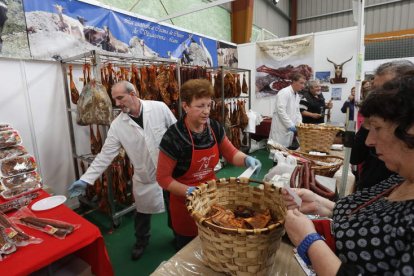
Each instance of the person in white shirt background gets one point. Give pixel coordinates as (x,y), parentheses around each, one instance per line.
(287,113)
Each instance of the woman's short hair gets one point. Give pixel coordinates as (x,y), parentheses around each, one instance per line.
(196,89)
(394,103)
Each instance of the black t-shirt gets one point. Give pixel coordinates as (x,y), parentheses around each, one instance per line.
(139,120)
(373,170)
(312,104)
(176,143)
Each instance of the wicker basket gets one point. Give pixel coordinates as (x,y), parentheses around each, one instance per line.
(316,137)
(238,251)
(326,165)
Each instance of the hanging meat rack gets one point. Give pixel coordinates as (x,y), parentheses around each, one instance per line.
(97,61)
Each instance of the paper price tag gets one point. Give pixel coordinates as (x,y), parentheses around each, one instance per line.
(296,198)
(50,229)
(248,172)
(10,232)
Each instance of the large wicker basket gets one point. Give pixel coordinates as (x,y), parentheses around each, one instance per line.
(316,137)
(238,251)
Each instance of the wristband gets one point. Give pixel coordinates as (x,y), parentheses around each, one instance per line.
(305,244)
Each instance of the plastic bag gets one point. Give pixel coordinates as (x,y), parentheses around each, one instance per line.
(12,152)
(58,229)
(6,247)
(14,234)
(13,181)
(17,165)
(5,126)
(17,203)
(94,105)
(281,173)
(9,138)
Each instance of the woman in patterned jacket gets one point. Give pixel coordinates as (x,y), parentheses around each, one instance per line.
(373,228)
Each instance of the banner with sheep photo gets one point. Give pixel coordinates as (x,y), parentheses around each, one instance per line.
(277,60)
(13,37)
(65,28)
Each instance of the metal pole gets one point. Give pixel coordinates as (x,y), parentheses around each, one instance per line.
(351,124)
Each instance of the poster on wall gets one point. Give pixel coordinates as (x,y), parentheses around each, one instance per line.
(227,54)
(323,77)
(68,27)
(277,60)
(13,36)
(336,93)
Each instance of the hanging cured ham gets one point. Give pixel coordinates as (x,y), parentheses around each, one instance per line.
(74,93)
(94,105)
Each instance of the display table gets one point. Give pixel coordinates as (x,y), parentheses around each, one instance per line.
(86,242)
(262,130)
(188,261)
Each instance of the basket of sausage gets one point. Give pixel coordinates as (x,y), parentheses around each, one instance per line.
(316,137)
(240,225)
(325,165)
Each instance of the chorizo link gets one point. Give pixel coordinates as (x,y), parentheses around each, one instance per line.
(316,188)
(293,177)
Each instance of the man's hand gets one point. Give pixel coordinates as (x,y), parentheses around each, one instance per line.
(77,188)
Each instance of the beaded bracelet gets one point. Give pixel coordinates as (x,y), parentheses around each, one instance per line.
(305,244)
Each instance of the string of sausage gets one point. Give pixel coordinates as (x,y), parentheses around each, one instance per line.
(308,181)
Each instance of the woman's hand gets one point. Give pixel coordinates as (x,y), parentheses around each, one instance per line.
(309,205)
(298,226)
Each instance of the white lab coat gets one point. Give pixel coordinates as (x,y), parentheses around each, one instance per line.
(286,114)
(142,147)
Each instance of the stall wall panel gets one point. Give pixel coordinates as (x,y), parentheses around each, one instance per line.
(13,101)
(247,60)
(45,90)
(32,100)
(339,45)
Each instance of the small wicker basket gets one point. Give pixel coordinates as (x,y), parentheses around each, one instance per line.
(326,165)
(316,137)
(238,251)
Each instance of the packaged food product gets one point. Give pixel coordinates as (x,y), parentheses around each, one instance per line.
(17,203)
(22,189)
(9,138)
(12,152)
(13,181)
(17,165)
(4,126)
(14,234)
(57,228)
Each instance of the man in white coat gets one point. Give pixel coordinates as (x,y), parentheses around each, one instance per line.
(287,113)
(138,129)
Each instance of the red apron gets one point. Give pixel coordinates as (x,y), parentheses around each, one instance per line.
(201,170)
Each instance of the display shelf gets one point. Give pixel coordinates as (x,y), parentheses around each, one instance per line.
(222,71)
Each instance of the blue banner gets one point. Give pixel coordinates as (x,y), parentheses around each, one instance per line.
(70,27)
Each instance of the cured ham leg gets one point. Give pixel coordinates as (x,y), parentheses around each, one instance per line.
(74,93)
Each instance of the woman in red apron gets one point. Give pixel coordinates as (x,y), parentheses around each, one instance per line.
(189,151)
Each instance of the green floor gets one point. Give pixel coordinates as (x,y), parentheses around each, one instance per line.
(119,241)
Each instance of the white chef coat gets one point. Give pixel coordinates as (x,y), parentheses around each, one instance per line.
(286,114)
(142,147)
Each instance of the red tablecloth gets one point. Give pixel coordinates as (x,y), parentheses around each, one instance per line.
(262,130)
(86,242)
